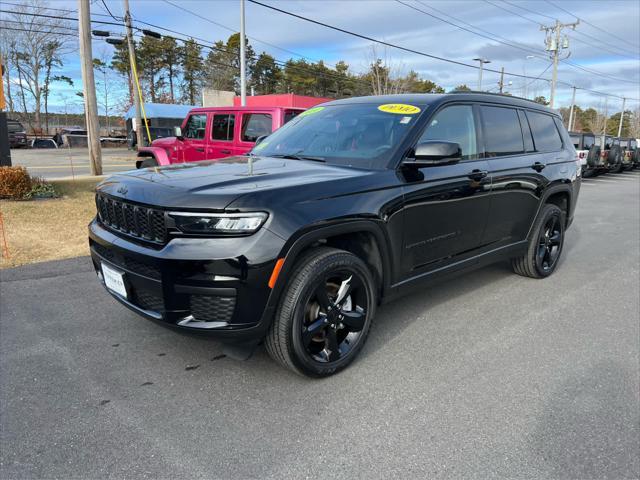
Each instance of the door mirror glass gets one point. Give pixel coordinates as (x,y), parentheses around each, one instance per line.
(434,153)
(177,132)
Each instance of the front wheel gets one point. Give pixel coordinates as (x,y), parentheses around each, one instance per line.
(324,315)
(545,245)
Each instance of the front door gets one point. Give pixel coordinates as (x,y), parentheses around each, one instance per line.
(195,139)
(223,132)
(446,207)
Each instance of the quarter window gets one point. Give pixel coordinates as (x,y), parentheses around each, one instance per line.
(195,126)
(291,114)
(255,125)
(502,132)
(545,133)
(222,128)
(454,124)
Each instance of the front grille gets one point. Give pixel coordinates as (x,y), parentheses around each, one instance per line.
(212,309)
(139,222)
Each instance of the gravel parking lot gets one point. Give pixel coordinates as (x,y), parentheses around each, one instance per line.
(487,375)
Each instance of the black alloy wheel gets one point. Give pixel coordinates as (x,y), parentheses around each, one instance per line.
(549,244)
(325,313)
(334,316)
(545,244)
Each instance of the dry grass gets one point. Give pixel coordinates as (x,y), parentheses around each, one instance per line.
(40,230)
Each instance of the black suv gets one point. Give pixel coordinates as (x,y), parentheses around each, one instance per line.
(351,204)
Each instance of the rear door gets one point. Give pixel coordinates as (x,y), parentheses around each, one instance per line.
(195,139)
(223,133)
(253,126)
(517,170)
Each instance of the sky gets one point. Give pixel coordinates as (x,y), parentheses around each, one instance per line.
(613,60)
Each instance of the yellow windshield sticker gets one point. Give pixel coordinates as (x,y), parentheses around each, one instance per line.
(260,146)
(399,108)
(311,111)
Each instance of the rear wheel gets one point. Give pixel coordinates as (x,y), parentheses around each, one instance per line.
(545,245)
(324,315)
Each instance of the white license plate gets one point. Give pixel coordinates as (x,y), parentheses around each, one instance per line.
(114,280)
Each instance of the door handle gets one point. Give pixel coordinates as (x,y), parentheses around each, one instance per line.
(477,174)
(225,151)
(538,167)
(198,149)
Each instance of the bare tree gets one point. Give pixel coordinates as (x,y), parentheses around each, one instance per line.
(385,74)
(38,48)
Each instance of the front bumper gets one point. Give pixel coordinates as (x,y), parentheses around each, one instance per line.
(213,286)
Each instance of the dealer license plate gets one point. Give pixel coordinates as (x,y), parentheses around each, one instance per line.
(114,280)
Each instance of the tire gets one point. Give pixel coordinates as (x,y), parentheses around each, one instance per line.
(593,156)
(307,351)
(615,159)
(589,173)
(149,162)
(532,263)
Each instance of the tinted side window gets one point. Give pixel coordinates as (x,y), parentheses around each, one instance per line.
(290,115)
(575,139)
(454,124)
(255,125)
(526,132)
(195,126)
(545,134)
(222,128)
(502,133)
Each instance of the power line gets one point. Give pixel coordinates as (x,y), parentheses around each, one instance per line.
(109,11)
(40,31)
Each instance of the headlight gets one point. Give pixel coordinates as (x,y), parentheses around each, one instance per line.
(205,223)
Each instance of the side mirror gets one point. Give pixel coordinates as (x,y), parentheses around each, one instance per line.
(177,132)
(260,139)
(435,152)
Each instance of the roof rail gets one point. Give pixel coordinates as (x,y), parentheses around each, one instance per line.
(478,92)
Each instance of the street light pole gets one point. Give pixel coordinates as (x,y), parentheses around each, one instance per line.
(89,87)
(243,61)
(132,55)
(481,61)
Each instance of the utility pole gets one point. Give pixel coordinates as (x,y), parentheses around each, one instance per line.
(132,62)
(243,60)
(554,43)
(89,88)
(606,115)
(5,151)
(573,103)
(501,83)
(481,61)
(621,117)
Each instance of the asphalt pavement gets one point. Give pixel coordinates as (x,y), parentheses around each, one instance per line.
(52,163)
(486,375)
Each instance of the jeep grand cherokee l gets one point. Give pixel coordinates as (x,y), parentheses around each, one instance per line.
(351,204)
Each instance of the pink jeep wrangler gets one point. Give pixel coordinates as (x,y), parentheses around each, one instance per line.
(215,132)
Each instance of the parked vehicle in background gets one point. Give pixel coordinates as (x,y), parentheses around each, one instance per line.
(587,151)
(211,133)
(603,144)
(627,145)
(353,203)
(17,134)
(635,144)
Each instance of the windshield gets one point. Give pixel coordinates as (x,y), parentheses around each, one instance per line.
(360,135)
(588,141)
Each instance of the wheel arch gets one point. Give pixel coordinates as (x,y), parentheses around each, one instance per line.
(559,194)
(158,153)
(363,238)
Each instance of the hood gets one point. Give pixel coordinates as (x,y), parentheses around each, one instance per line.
(163,142)
(216,184)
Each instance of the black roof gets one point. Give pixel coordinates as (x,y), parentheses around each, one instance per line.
(437,98)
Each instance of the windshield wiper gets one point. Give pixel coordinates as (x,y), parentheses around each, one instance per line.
(297,156)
